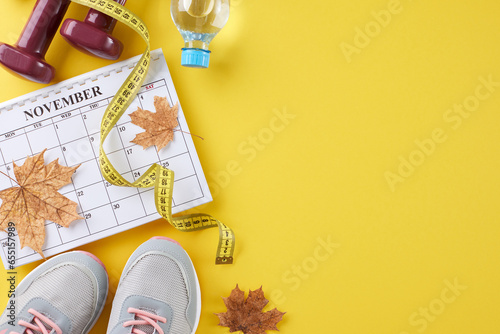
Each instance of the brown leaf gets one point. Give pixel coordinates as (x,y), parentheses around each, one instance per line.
(36,199)
(246,315)
(159,126)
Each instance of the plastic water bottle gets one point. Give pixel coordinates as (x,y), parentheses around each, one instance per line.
(198,22)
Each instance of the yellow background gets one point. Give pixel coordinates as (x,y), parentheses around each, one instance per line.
(323,175)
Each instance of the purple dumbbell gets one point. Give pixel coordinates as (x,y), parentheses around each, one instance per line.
(27,57)
(93,36)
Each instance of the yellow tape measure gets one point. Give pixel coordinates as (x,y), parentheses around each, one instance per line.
(158,176)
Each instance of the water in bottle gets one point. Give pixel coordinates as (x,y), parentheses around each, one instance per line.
(198,22)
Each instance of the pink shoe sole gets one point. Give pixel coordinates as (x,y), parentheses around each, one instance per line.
(168,239)
(94,257)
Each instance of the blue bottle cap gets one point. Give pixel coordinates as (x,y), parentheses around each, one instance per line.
(197,58)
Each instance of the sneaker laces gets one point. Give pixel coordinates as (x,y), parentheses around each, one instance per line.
(42,324)
(145,318)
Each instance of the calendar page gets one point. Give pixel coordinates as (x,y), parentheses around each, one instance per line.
(65,120)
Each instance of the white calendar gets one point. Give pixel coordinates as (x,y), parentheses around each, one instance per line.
(65,119)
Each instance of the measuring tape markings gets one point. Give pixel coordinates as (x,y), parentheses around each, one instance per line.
(158,176)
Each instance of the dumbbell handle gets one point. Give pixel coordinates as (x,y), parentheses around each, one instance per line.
(102,21)
(42,26)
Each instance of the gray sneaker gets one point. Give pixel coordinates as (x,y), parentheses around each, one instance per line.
(64,295)
(158,292)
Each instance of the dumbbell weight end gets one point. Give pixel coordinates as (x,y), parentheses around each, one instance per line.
(25,65)
(91,40)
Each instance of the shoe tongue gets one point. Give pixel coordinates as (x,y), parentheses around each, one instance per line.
(148,329)
(37,332)
(51,331)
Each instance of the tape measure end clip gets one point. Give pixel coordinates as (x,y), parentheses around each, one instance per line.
(224,260)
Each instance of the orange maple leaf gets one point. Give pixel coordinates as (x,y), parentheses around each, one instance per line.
(159,126)
(36,199)
(246,315)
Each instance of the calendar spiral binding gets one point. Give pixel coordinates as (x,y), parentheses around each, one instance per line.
(71,84)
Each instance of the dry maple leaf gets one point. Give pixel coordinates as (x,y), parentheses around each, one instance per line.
(36,199)
(159,126)
(246,315)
